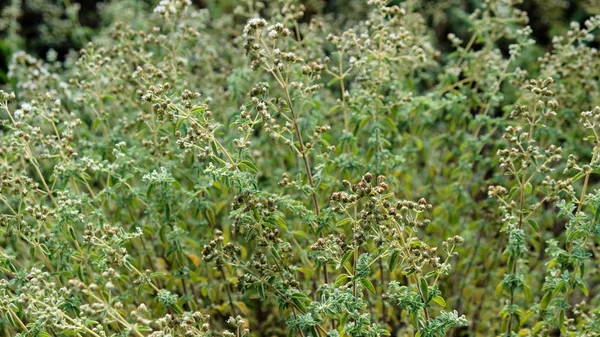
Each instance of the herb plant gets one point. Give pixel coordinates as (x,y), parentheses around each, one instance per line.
(308,168)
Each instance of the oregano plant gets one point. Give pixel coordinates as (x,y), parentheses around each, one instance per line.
(299,168)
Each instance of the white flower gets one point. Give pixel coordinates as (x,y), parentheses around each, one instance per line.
(18,114)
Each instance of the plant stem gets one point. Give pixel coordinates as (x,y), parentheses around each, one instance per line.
(382,281)
(585,182)
(304,159)
(14,315)
(228,292)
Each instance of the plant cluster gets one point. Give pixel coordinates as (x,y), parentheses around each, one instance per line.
(271,168)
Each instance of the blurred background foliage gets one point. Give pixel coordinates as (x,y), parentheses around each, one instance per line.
(38,26)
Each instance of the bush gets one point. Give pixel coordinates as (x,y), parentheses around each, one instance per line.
(319,169)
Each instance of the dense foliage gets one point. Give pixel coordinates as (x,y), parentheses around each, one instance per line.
(307,168)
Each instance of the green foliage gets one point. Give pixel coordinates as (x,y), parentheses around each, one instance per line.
(275,168)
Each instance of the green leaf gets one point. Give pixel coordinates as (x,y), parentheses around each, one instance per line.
(143,328)
(537,327)
(210,216)
(177,308)
(364,121)
(345,259)
(333,81)
(583,288)
(545,300)
(393,261)
(179,122)
(80,272)
(597,214)
(281,222)
(578,176)
(534,225)
(561,319)
(527,291)
(199,109)
(10,318)
(149,190)
(341,280)
(300,295)
(275,254)
(499,288)
(248,166)
(334,109)
(343,222)
(424,289)
(300,304)
(414,320)
(525,317)
(72,233)
(439,301)
(390,123)
(368,285)
(44,249)
(217,159)
(431,274)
